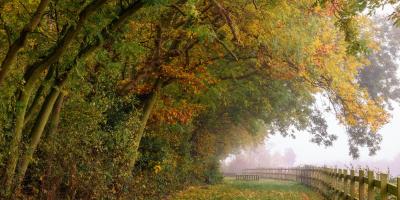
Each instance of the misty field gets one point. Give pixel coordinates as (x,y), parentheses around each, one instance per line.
(262,189)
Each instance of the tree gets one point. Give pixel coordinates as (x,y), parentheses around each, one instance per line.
(197,80)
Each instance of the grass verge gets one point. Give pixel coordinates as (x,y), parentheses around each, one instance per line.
(249,190)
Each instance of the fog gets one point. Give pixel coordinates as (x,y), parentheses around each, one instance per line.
(259,157)
(279,151)
(307,153)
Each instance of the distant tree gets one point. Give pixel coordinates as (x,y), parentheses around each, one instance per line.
(258,157)
(381,77)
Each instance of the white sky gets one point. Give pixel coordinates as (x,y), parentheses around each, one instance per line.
(311,153)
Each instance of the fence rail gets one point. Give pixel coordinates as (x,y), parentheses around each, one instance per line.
(248,177)
(335,183)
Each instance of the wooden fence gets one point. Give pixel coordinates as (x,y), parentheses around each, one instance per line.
(247,177)
(336,183)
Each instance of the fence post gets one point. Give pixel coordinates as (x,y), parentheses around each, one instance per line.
(371,194)
(319,178)
(309,176)
(384,188)
(352,184)
(278,175)
(322,173)
(398,187)
(316,178)
(312,175)
(272,174)
(306,175)
(322,179)
(340,183)
(335,183)
(361,187)
(345,185)
(298,174)
(312,180)
(301,174)
(286,174)
(332,184)
(327,179)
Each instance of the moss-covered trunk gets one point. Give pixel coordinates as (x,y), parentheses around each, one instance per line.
(37,132)
(14,152)
(147,110)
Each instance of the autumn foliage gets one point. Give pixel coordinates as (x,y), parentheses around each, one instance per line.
(134,99)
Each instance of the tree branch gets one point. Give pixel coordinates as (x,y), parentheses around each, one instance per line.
(33,71)
(228,19)
(178,9)
(20,42)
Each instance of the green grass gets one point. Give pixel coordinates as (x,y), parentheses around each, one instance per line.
(249,190)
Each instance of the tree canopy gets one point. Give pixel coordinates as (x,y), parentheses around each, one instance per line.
(131,99)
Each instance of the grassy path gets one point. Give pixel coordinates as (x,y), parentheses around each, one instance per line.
(249,190)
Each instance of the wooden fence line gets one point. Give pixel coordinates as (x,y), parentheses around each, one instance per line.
(247,177)
(335,184)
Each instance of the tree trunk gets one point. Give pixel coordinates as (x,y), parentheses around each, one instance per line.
(21,106)
(38,129)
(51,181)
(37,101)
(32,75)
(55,118)
(148,108)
